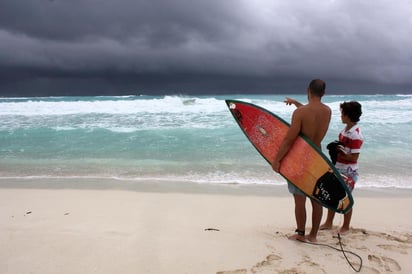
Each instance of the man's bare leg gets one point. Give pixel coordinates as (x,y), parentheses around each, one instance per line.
(300,215)
(317,212)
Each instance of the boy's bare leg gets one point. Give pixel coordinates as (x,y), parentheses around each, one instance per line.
(346,222)
(329,221)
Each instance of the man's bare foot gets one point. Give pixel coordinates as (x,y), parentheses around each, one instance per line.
(325,226)
(311,239)
(297,237)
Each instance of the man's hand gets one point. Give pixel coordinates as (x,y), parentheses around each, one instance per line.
(289,101)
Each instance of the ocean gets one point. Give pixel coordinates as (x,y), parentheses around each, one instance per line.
(190,139)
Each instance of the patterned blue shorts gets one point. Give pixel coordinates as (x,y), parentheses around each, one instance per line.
(350,178)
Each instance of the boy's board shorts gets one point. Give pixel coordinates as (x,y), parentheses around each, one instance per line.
(350,178)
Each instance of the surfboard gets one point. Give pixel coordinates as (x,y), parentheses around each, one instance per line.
(305,166)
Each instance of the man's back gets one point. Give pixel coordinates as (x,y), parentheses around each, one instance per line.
(311,119)
(314,120)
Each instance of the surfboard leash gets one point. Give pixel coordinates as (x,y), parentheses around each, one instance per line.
(343,251)
(344,254)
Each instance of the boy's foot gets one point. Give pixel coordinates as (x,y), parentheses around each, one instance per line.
(325,227)
(343,230)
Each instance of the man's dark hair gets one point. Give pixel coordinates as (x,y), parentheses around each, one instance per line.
(317,87)
(352,109)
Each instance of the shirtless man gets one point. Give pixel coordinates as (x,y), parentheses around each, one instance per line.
(313,121)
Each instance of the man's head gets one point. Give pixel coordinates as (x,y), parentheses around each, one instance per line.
(317,88)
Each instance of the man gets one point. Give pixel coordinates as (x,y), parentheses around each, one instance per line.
(313,121)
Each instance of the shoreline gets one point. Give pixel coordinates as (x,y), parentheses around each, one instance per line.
(180,187)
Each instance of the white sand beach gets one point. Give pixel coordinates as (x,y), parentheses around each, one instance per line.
(119,231)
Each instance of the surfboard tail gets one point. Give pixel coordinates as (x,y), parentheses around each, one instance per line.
(330,192)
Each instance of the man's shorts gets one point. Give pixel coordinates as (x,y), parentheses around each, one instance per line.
(294,190)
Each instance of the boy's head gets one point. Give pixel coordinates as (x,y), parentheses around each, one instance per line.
(351,109)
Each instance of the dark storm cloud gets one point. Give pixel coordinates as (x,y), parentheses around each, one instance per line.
(193,45)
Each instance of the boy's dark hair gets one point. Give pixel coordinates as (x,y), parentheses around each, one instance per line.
(317,87)
(352,109)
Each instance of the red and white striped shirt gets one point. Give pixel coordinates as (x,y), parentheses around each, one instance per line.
(352,140)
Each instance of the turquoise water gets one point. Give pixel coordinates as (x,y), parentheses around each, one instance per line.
(181,138)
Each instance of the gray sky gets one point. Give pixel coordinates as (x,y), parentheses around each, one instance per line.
(58,47)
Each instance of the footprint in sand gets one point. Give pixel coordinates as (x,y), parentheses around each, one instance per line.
(314,267)
(290,271)
(237,271)
(270,260)
(400,249)
(404,238)
(385,263)
(272,263)
(397,243)
(370,270)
